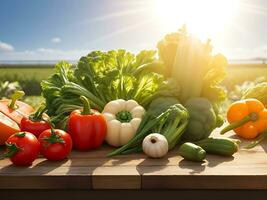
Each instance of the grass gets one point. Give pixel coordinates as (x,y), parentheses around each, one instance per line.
(23,73)
(238,73)
(29,76)
(34,101)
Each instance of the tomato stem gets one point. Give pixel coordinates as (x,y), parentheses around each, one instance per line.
(54,138)
(14,98)
(53,132)
(86,106)
(20,134)
(251,117)
(12,150)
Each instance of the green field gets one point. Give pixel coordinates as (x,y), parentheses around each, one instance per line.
(238,73)
(30,76)
(25,72)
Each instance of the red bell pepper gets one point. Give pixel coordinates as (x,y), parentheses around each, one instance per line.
(36,123)
(87,127)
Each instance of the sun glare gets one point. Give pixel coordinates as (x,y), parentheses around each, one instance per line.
(204,18)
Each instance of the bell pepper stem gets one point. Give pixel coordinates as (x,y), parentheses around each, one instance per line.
(251,117)
(14,98)
(39,113)
(86,106)
(258,140)
(124,116)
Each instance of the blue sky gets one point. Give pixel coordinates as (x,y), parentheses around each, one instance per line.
(68,29)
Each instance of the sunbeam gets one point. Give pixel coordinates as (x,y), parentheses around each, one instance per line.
(110,16)
(205,18)
(122,30)
(249,7)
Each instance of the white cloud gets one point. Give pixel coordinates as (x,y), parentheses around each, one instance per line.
(56,40)
(6,47)
(44,54)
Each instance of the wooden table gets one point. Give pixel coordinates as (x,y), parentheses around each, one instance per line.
(247,169)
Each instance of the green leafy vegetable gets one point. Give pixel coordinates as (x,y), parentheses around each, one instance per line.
(189,61)
(258,91)
(102,77)
(198,75)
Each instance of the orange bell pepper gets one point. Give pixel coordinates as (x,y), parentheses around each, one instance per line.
(14,109)
(11,113)
(248,118)
(7,128)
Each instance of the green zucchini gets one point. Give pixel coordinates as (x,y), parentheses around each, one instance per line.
(193,152)
(219,146)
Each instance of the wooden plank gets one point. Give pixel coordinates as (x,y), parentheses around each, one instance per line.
(172,159)
(125,177)
(245,170)
(133,194)
(204,177)
(45,182)
(90,158)
(204,182)
(40,177)
(84,170)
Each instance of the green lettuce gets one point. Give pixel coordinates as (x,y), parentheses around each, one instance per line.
(102,77)
(190,62)
(259,91)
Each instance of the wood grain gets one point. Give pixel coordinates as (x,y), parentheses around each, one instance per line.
(118,177)
(247,169)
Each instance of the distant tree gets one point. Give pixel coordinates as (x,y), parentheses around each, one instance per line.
(262,59)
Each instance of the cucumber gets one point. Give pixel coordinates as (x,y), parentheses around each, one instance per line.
(190,151)
(219,146)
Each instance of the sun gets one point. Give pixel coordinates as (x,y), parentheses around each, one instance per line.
(204,18)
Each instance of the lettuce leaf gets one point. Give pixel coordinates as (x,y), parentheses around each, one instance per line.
(102,77)
(211,84)
(259,92)
(190,62)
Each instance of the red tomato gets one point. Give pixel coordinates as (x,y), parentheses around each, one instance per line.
(22,148)
(34,127)
(56,144)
